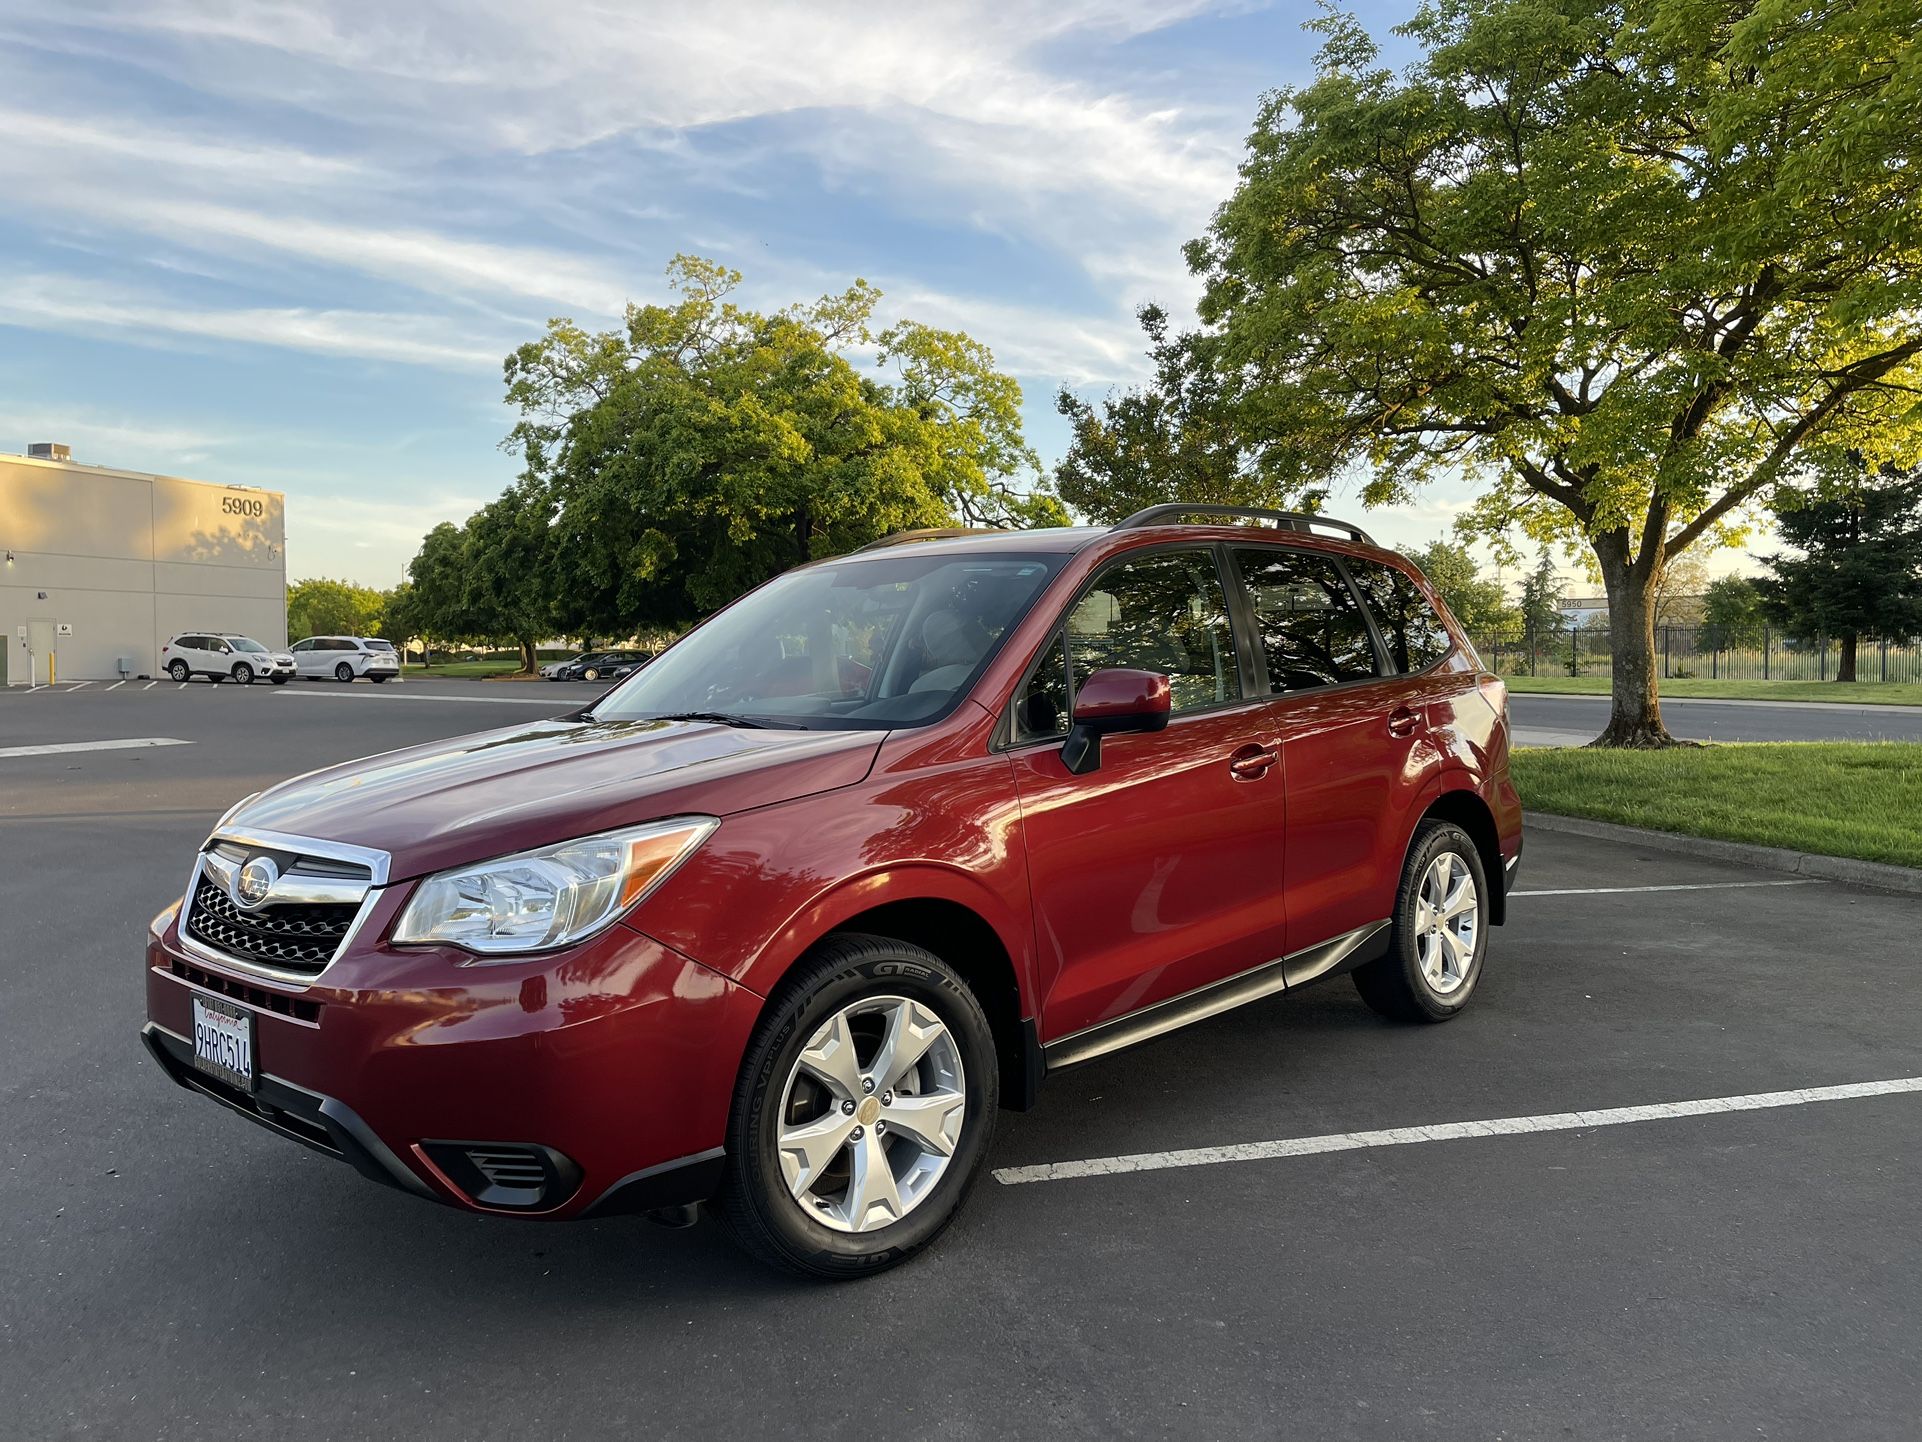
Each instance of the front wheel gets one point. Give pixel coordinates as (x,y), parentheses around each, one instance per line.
(1439,932)
(343,672)
(282,680)
(863,1112)
(590,674)
(244,674)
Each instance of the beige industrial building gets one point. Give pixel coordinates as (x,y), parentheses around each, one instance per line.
(99,567)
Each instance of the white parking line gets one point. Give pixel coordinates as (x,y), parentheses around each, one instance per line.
(116,685)
(1690,886)
(558,705)
(61,748)
(150,685)
(80,685)
(1448,1132)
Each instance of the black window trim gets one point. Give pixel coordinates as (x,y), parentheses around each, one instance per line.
(1242,636)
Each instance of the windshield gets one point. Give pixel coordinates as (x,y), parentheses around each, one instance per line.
(874,642)
(245,643)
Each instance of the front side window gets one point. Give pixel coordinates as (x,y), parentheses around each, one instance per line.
(867,642)
(1312,632)
(1160,612)
(1041,706)
(303,646)
(1416,637)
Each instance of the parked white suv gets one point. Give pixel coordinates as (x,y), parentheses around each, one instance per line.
(342,658)
(222,655)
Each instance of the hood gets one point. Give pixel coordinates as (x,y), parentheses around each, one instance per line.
(449,803)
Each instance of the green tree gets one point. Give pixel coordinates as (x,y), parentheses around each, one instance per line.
(705,447)
(509,590)
(437,605)
(1860,571)
(1169,440)
(1623,261)
(323,607)
(1541,607)
(1731,613)
(1478,601)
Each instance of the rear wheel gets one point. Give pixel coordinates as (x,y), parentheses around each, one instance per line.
(377,680)
(863,1112)
(1439,931)
(244,674)
(179,671)
(343,672)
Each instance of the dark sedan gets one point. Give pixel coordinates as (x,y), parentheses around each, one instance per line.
(602,666)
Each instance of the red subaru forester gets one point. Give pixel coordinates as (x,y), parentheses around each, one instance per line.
(778,923)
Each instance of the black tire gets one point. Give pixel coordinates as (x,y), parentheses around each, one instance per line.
(282,680)
(179,671)
(243,673)
(1395,985)
(378,680)
(755,1203)
(343,672)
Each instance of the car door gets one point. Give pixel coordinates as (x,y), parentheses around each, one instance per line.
(305,654)
(1353,754)
(1157,872)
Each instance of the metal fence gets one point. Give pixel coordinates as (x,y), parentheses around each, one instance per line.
(1701,651)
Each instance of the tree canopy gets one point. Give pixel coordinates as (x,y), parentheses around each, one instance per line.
(1478,601)
(704,447)
(1627,264)
(323,607)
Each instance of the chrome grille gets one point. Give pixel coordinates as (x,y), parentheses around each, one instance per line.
(288,938)
(318,892)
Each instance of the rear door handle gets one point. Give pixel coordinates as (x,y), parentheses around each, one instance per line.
(1252,762)
(1402,721)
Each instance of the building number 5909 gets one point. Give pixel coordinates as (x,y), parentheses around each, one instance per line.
(242,506)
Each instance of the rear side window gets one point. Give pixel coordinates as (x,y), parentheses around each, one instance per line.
(1311,630)
(1416,637)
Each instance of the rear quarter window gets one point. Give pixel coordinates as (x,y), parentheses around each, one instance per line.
(1415,634)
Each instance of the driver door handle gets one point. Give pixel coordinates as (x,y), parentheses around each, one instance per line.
(1250,763)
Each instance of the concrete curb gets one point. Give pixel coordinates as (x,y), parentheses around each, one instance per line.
(1877,874)
(1863,708)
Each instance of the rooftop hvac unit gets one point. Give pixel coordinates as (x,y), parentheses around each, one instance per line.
(49,451)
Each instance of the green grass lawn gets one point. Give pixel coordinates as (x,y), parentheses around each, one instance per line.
(466,669)
(1840,798)
(1859,693)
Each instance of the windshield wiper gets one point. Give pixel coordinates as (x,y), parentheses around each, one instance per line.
(727,718)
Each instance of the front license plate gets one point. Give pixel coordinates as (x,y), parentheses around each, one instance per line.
(224,1042)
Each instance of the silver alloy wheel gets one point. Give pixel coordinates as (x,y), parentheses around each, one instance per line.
(1448,913)
(871,1114)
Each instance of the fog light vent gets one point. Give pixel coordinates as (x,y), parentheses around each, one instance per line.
(512,1176)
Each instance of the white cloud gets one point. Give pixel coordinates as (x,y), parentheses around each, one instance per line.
(73,304)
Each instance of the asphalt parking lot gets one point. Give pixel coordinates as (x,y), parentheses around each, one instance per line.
(170,1271)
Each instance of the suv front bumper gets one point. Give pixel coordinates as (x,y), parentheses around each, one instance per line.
(592,1080)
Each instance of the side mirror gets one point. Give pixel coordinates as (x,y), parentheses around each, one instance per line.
(1108,703)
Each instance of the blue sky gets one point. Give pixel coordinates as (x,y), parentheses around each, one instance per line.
(287,244)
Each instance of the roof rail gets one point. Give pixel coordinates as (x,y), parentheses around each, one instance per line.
(1287,520)
(927,533)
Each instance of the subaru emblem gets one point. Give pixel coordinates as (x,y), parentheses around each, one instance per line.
(256,879)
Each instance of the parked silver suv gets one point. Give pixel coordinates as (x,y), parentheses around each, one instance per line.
(342,658)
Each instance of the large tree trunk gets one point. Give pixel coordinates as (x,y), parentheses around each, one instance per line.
(529,661)
(1845,670)
(1635,711)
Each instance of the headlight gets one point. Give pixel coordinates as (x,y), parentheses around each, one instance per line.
(553,897)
